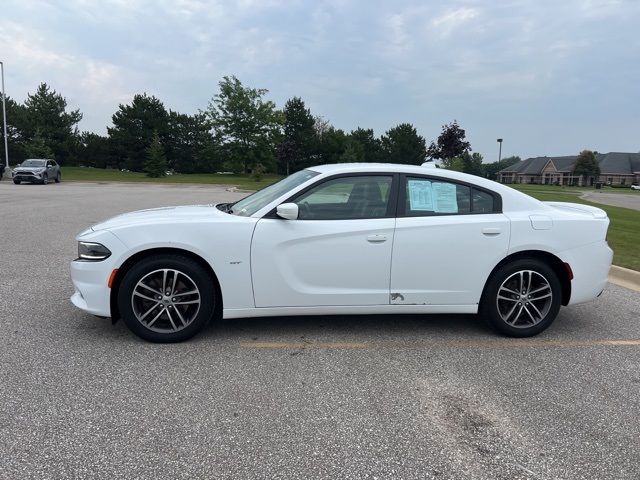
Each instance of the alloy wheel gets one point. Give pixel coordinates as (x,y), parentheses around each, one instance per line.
(524,299)
(166,301)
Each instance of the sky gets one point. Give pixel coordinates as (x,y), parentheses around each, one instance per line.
(549,77)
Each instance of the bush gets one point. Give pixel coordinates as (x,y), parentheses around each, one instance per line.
(258,171)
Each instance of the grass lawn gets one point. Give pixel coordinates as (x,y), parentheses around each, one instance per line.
(624,229)
(245,182)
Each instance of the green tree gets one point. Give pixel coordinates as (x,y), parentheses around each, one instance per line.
(46,116)
(37,147)
(93,150)
(189,144)
(472,163)
(586,166)
(248,125)
(450,143)
(156,164)
(298,139)
(370,145)
(467,163)
(353,152)
(133,129)
(331,147)
(490,170)
(402,144)
(17,132)
(455,163)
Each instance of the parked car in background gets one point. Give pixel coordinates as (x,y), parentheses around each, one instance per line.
(342,239)
(635,186)
(37,170)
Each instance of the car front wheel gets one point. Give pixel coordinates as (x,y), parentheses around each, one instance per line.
(58,178)
(45,179)
(522,298)
(166,298)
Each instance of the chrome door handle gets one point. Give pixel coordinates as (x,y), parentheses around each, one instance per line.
(376,238)
(491,232)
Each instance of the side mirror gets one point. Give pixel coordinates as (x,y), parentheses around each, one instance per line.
(288,211)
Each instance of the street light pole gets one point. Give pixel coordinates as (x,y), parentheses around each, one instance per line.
(7,170)
(500,151)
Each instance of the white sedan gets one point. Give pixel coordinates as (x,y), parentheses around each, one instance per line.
(346,239)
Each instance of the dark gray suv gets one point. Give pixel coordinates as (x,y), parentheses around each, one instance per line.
(37,170)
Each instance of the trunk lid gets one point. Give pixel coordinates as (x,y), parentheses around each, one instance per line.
(578,208)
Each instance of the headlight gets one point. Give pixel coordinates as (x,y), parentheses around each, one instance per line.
(92,252)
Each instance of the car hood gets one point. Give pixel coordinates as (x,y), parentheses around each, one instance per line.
(28,169)
(165,215)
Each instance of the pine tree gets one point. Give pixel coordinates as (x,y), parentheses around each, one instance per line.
(38,148)
(156,164)
(402,144)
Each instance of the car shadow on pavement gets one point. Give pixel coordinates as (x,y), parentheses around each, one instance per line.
(348,327)
(335,328)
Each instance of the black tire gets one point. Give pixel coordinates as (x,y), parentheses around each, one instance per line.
(193,272)
(45,179)
(531,315)
(58,177)
(16,181)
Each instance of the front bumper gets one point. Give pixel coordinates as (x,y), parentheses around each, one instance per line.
(92,293)
(90,279)
(27,177)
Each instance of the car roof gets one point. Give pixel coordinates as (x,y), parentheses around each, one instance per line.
(431,170)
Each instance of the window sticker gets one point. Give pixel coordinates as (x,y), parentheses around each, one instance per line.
(445,198)
(420,196)
(437,197)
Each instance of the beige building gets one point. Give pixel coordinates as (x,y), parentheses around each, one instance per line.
(616,168)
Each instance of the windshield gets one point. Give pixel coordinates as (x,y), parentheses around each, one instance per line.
(251,204)
(33,163)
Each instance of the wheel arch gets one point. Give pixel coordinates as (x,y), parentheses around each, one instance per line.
(558,266)
(138,256)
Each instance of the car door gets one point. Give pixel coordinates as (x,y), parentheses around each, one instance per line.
(338,251)
(50,170)
(449,236)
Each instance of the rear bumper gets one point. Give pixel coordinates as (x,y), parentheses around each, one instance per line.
(590,265)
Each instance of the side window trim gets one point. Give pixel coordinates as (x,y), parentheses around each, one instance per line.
(392,206)
(402,196)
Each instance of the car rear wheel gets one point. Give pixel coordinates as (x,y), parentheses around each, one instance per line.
(58,177)
(16,181)
(522,298)
(167,298)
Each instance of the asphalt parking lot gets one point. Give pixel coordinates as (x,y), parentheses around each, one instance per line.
(320,397)
(629,200)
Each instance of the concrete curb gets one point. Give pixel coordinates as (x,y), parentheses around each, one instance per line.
(625,277)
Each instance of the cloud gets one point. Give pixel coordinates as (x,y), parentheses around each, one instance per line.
(453,19)
(510,67)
